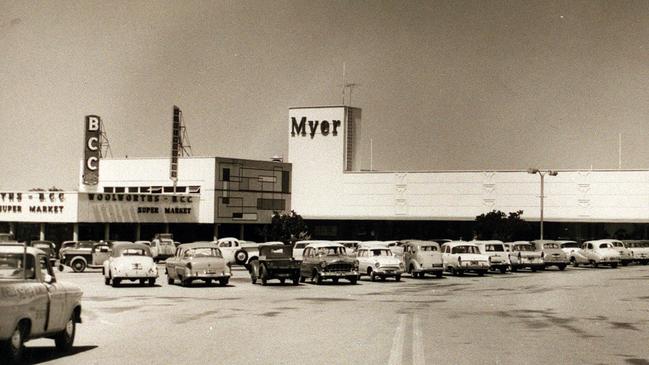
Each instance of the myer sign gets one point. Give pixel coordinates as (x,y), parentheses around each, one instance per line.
(312,126)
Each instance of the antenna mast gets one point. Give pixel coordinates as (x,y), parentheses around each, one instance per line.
(346,85)
(185,146)
(104,143)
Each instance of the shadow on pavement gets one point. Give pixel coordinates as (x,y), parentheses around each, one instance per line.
(41,354)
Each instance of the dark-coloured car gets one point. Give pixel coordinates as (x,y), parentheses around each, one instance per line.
(275,262)
(80,254)
(328,260)
(49,248)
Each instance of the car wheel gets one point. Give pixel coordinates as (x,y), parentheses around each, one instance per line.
(533,269)
(152,282)
(241,256)
(480,273)
(503,270)
(224,281)
(573,261)
(254,272)
(397,277)
(302,279)
(353,280)
(514,269)
(78,265)
(65,338)
(296,280)
(13,348)
(438,274)
(263,274)
(615,265)
(142,282)
(460,272)
(170,281)
(624,263)
(107,280)
(372,276)
(317,278)
(592,262)
(562,267)
(645,262)
(116,282)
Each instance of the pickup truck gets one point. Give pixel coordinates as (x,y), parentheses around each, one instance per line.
(33,304)
(275,262)
(239,252)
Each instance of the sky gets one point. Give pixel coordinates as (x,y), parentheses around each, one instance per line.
(444,85)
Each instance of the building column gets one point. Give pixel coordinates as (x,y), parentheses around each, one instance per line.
(41,235)
(166,228)
(12,228)
(106,231)
(75,232)
(241,231)
(216,232)
(138,231)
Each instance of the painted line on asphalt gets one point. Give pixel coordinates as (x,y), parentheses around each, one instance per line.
(418,357)
(396,353)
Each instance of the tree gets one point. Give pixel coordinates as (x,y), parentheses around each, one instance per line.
(497,225)
(287,227)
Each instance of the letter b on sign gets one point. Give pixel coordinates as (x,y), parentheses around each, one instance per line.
(93,123)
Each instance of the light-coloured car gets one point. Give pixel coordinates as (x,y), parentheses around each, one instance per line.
(350,246)
(378,261)
(327,260)
(626,255)
(639,250)
(148,243)
(130,261)
(553,255)
(523,254)
(162,246)
(197,261)
(498,257)
(298,248)
(422,257)
(460,257)
(598,252)
(33,304)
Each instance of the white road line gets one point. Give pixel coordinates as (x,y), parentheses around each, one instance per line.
(418,357)
(396,353)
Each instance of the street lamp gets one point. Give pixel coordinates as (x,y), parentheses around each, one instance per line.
(542,174)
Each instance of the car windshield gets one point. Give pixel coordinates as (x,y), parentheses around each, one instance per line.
(86,244)
(570,245)
(523,248)
(203,252)
(381,252)
(11,266)
(133,252)
(618,244)
(166,243)
(494,248)
(330,251)
(300,245)
(428,248)
(550,245)
(465,249)
(605,245)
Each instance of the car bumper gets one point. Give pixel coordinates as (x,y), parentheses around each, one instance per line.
(338,274)
(473,267)
(387,271)
(204,276)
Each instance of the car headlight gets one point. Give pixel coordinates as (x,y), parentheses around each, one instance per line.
(323,264)
(377,265)
(401,265)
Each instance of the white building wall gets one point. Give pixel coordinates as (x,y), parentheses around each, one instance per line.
(322,190)
(155,172)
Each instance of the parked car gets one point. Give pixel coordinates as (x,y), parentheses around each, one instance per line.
(626,255)
(639,250)
(595,253)
(328,260)
(148,243)
(299,246)
(498,257)
(77,255)
(198,261)
(48,247)
(524,255)
(553,255)
(378,261)
(459,257)
(130,261)
(162,246)
(422,257)
(275,262)
(44,308)
(350,246)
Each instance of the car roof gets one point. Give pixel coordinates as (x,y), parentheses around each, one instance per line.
(120,245)
(459,243)
(319,244)
(373,247)
(196,244)
(19,248)
(603,241)
(487,242)
(520,243)
(422,243)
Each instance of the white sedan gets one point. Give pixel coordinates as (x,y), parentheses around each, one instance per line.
(378,261)
(130,261)
(459,257)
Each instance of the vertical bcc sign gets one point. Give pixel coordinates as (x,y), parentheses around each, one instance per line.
(92,150)
(175,145)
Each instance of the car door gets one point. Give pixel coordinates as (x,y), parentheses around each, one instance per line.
(306,258)
(55,314)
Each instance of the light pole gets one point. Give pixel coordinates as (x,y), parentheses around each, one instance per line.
(542,174)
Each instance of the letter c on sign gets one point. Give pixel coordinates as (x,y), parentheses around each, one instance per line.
(92,143)
(92,163)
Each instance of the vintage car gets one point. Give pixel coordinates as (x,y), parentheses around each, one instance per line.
(626,255)
(197,261)
(327,260)
(422,257)
(553,255)
(78,255)
(48,247)
(639,250)
(523,254)
(299,246)
(237,251)
(33,304)
(275,262)
(595,253)
(378,261)
(498,257)
(350,246)
(162,246)
(130,261)
(459,257)
(148,243)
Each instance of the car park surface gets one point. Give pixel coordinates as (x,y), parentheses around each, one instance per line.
(399,322)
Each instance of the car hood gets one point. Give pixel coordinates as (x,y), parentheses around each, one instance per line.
(337,259)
